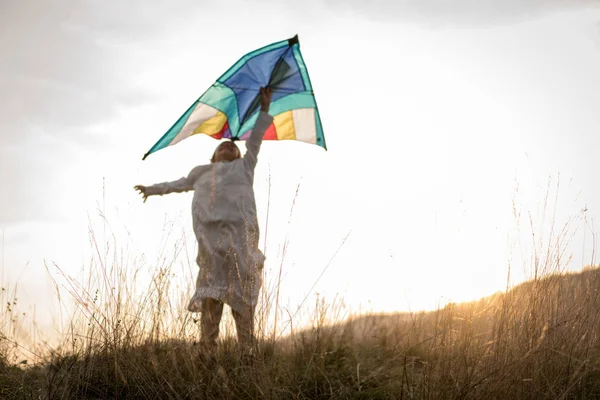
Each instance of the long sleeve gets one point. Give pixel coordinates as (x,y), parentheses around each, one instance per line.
(253,143)
(181,185)
(178,186)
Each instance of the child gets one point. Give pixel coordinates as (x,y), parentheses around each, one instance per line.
(226,227)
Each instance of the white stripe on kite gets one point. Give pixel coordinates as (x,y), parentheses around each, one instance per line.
(201,113)
(304,125)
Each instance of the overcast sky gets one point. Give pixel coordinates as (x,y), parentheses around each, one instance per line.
(438,116)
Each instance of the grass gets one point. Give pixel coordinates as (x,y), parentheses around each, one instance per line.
(538,340)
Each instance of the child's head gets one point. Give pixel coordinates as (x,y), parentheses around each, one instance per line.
(226,151)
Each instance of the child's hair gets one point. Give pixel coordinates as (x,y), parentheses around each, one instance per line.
(212,159)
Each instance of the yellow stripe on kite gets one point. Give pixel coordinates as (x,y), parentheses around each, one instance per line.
(213,125)
(284,125)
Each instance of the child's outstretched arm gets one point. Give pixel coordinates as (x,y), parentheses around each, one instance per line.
(178,186)
(260,127)
(181,185)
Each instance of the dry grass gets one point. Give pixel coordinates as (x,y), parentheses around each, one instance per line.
(538,340)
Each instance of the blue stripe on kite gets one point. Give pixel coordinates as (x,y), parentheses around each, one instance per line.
(171,133)
(248,56)
(258,72)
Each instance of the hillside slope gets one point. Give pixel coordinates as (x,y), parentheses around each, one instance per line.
(540,340)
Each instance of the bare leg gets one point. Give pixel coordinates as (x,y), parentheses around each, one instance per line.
(244,324)
(212,311)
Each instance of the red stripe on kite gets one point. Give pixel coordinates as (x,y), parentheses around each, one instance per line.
(219,135)
(271,133)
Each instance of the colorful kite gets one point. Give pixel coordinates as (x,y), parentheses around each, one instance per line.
(229,108)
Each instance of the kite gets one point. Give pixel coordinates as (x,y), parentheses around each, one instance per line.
(230,107)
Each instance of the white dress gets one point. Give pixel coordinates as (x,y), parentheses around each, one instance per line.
(226,226)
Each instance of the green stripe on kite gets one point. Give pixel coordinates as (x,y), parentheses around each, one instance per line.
(223,99)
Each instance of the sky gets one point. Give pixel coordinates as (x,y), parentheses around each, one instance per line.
(449,127)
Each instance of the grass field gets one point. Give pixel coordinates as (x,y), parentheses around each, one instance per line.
(538,340)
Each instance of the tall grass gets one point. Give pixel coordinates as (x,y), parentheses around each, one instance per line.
(538,340)
(127,338)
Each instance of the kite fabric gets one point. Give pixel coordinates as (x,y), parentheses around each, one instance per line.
(230,107)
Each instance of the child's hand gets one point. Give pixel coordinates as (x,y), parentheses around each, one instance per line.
(265,99)
(142,190)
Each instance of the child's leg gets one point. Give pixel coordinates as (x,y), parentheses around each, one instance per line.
(212,311)
(244,324)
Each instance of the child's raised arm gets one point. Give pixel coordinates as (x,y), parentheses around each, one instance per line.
(260,127)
